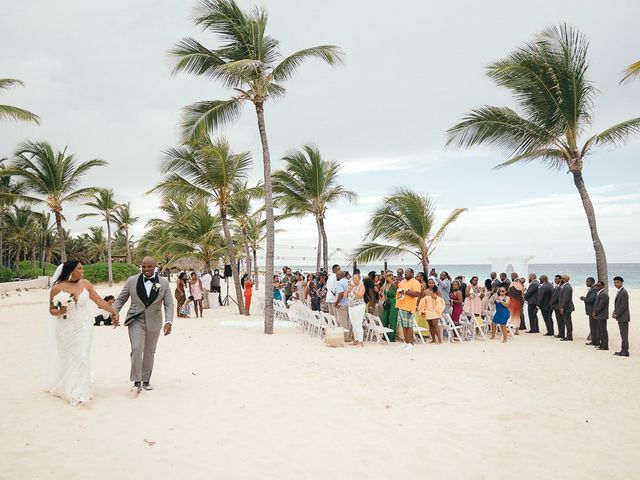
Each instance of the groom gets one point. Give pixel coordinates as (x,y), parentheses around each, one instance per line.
(144,319)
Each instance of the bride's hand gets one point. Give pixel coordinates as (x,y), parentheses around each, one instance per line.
(115,320)
(56,312)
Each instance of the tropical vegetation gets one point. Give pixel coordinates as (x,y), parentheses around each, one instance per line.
(14,113)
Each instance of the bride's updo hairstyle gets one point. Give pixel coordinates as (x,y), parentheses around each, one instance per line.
(67,267)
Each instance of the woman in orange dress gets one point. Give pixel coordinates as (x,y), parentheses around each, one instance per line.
(248,284)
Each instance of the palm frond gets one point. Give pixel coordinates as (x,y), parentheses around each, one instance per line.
(14,113)
(330,54)
(453,216)
(370,252)
(616,134)
(631,72)
(205,116)
(552,156)
(10,82)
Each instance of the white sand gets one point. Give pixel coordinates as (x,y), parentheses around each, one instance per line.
(234,403)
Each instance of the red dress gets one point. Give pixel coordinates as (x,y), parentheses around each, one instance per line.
(247,295)
(456,308)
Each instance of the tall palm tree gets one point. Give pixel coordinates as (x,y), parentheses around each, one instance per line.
(21,224)
(211,171)
(249,62)
(54,176)
(406,221)
(15,113)
(10,192)
(105,206)
(307,185)
(97,243)
(631,72)
(124,220)
(240,213)
(548,78)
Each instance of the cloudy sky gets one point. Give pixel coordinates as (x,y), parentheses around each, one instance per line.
(98,74)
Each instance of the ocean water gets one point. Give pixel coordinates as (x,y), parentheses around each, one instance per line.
(577,271)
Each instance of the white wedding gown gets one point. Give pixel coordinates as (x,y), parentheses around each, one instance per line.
(69,375)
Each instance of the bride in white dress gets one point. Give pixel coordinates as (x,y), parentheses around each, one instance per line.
(71,330)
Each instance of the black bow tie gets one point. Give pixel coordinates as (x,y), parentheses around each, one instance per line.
(148,279)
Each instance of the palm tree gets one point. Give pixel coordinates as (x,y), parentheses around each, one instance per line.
(21,224)
(548,78)
(248,63)
(405,220)
(211,171)
(307,185)
(10,192)
(631,72)
(105,206)
(53,176)
(15,113)
(124,220)
(240,213)
(97,243)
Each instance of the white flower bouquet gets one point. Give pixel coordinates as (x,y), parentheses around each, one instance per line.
(62,299)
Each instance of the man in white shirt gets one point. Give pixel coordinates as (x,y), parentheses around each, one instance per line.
(206,284)
(331,289)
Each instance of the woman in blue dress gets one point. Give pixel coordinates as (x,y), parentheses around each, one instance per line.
(502,314)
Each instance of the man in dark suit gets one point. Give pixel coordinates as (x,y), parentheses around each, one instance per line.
(589,300)
(555,305)
(565,302)
(531,297)
(544,303)
(600,314)
(622,315)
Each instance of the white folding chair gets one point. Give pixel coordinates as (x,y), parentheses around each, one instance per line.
(454,332)
(473,324)
(417,330)
(376,329)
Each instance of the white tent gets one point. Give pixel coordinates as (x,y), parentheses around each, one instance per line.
(518,264)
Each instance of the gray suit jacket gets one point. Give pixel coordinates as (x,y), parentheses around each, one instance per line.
(590,300)
(566,298)
(544,296)
(555,297)
(531,295)
(621,306)
(147,308)
(601,306)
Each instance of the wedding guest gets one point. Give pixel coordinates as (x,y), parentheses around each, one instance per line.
(474,296)
(622,315)
(277,295)
(444,287)
(463,287)
(206,282)
(181,292)
(422,279)
(288,281)
(185,309)
(342,303)
(600,314)
(515,293)
(301,286)
(589,301)
(321,289)
(195,287)
(504,281)
(103,315)
(331,289)
(370,297)
(555,305)
(248,290)
(531,297)
(389,317)
(455,298)
(215,285)
(400,274)
(544,303)
(431,307)
(495,283)
(407,295)
(502,314)
(355,294)
(566,306)
(486,295)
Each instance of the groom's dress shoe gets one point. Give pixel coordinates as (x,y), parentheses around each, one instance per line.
(136,387)
(147,386)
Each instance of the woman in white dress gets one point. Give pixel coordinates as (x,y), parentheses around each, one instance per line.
(71,330)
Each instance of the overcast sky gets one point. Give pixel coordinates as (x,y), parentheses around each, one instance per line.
(98,74)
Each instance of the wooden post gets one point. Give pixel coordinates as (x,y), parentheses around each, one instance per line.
(355,267)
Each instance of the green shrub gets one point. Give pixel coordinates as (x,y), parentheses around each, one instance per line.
(6,275)
(98,272)
(26,270)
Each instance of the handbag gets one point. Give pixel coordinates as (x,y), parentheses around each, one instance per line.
(334,337)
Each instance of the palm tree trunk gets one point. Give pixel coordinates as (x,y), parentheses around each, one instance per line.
(63,253)
(247,251)
(255,269)
(268,207)
(126,237)
(1,248)
(109,268)
(319,255)
(601,258)
(325,246)
(425,266)
(232,260)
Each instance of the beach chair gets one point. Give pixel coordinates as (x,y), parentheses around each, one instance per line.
(473,324)
(417,330)
(331,321)
(376,329)
(454,332)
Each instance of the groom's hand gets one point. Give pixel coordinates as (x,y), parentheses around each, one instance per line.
(167,329)
(115,320)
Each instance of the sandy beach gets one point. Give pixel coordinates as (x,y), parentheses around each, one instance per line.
(234,403)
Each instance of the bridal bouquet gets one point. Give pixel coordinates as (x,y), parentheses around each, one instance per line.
(62,299)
